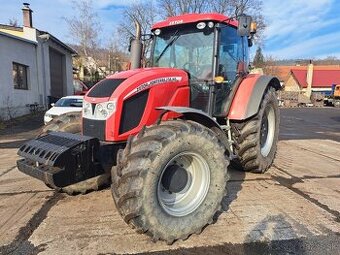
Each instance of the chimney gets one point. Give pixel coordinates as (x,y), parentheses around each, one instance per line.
(309,79)
(27,15)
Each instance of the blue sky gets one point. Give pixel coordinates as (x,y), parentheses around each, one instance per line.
(302,29)
(296,28)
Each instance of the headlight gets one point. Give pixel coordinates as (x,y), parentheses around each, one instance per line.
(99,107)
(201,25)
(105,110)
(101,111)
(104,113)
(111,106)
(157,31)
(86,108)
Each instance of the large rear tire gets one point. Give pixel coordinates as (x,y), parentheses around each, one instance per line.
(170,180)
(71,123)
(255,140)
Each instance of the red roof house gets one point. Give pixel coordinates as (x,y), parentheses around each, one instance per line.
(321,80)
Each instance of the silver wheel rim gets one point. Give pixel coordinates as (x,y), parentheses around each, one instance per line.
(187,200)
(267,131)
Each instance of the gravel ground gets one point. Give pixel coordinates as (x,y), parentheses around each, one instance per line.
(292,209)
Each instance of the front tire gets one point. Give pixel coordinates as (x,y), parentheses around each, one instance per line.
(255,140)
(67,122)
(170,180)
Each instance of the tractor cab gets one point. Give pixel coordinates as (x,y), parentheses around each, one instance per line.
(210,49)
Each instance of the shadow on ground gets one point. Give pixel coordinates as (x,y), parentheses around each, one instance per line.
(272,242)
(12,145)
(23,126)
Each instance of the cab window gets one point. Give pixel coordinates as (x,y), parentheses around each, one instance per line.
(230,53)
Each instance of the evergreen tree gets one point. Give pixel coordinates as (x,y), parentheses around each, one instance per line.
(258,61)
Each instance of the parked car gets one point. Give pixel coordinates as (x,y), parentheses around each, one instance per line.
(64,105)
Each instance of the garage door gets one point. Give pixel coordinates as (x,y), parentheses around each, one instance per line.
(56,74)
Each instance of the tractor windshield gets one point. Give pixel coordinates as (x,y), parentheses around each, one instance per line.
(189,48)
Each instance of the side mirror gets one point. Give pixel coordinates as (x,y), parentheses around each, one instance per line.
(244,25)
(52,104)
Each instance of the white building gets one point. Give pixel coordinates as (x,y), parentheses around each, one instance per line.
(35,68)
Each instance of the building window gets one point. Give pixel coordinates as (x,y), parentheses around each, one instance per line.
(20,76)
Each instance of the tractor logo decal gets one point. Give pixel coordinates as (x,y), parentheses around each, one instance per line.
(176,22)
(152,83)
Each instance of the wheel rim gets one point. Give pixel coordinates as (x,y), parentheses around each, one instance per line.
(183,197)
(267,131)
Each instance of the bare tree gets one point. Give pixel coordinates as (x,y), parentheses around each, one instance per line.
(13,22)
(330,60)
(231,8)
(115,59)
(270,66)
(84,27)
(253,8)
(178,7)
(144,13)
(11,110)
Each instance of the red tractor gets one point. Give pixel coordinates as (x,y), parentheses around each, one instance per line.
(165,135)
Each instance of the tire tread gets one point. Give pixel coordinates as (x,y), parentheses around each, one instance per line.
(124,173)
(246,142)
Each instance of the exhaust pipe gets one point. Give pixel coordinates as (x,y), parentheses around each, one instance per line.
(136,48)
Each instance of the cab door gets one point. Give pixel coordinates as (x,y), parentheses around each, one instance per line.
(232,62)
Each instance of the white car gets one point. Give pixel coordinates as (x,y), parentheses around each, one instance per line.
(64,105)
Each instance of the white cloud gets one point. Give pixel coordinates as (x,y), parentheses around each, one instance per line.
(104,3)
(294,27)
(48,15)
(316,47)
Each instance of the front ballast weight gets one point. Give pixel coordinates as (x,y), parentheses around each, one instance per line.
(60,159)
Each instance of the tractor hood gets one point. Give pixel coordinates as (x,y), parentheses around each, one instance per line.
(120,105)
(128,83)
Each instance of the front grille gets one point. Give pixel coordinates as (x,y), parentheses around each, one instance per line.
(133,110)
(94,128)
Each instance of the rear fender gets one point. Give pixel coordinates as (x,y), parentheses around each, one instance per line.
(248,97)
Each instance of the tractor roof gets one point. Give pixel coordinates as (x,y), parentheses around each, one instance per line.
(194,17)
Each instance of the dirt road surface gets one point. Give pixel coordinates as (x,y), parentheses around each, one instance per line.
(294,208)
